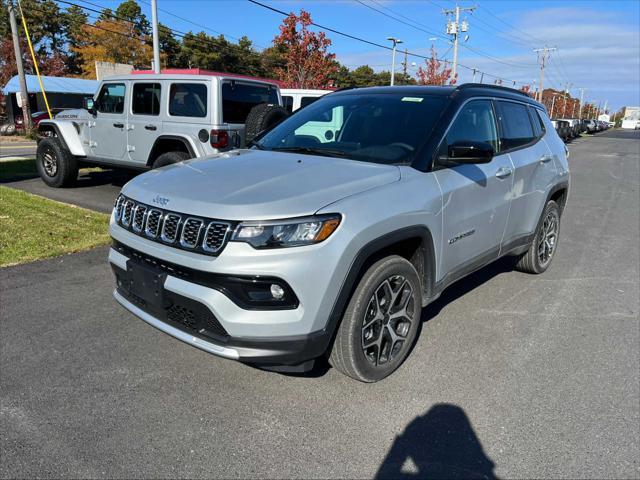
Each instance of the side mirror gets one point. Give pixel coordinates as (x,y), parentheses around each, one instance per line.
(470,152)
(89,106)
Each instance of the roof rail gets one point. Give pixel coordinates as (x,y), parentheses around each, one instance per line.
(488,85)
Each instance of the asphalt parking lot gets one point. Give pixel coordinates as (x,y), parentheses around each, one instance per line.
(513,375)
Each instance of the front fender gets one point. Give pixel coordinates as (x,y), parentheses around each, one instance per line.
(68,134)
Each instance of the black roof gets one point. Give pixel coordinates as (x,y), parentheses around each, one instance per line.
(466,90)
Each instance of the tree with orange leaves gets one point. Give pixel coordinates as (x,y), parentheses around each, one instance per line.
(111,41)
(435,73)
(307,62)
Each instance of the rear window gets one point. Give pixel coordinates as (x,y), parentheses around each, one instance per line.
(239,98)
(188,100)
(146,99)
(304,101)
(538,124)
(516,128)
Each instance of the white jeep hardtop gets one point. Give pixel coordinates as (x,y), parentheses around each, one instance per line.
(146,121)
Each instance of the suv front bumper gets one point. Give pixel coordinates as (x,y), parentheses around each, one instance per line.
(190,312)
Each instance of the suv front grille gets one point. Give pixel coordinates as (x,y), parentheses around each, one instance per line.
(172,228)
(138,218)
(152,228)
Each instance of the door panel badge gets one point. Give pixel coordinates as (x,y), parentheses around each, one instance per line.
(462,235)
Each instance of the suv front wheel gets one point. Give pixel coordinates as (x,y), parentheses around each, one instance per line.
(381,322)
(56,166)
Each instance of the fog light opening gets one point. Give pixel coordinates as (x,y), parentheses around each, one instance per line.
(277,291)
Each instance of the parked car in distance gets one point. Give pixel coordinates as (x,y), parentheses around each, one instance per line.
(304,247)
(152,120)
(590,125)
(574,127)
(296,98)
(36,118)
(564,130)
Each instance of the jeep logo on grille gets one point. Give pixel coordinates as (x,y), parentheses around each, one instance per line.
(162,201)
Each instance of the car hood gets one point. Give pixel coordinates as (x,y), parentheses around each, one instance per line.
(257,185)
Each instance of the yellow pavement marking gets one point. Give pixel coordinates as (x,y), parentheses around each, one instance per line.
(9,147)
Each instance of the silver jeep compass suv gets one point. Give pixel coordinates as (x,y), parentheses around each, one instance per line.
(329,235)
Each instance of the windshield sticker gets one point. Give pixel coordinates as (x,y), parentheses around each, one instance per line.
(412,99)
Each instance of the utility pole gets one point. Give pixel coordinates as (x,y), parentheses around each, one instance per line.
(543,55)
(474,76)
(566,94)
(156,38)
(24,96)
(581,97)
(454,29)
(393,57)
(405,65)
(553,103)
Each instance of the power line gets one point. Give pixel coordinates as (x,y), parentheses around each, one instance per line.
(198,25)
(359,39)
(536,40)
(512,37)
(430,32)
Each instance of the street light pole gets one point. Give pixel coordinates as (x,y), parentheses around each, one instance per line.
(395,41)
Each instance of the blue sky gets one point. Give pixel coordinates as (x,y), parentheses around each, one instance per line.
(598,41)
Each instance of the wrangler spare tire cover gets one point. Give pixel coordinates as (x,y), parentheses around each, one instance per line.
(263,117)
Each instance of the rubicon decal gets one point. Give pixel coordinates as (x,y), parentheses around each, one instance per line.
(462,235)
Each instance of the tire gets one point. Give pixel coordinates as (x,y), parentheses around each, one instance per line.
(367,314)
(170,158)
(263,117)
(55,164)
(535,261)
(10,130)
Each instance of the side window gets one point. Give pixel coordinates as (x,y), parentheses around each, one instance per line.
(287,102)
(188,100)
(304,101)
(475,122)
(536,120)
(516,128)
(239,98)
(111,98)
(146,99)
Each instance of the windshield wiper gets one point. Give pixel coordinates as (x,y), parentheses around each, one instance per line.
(311,151)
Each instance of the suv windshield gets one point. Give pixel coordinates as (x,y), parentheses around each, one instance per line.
(382,128)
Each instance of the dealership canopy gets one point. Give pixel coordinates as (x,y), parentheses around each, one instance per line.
(53,85)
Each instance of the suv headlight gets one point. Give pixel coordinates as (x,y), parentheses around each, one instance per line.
(293,232)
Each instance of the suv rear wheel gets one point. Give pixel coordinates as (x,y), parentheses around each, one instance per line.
(544,244)
(381,322)
(56,166)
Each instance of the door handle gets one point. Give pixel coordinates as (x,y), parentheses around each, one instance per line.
(118,125)
(503,172)
(545,158)
(150,127)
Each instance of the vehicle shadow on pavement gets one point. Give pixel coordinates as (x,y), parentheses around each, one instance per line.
(439,444)
(467,284)
(105,177)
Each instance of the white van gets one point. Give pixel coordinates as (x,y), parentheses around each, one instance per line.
(295,98)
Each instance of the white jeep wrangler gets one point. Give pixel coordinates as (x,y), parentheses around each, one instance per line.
(148,121)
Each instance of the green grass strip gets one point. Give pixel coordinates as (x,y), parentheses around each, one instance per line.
(33,227)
